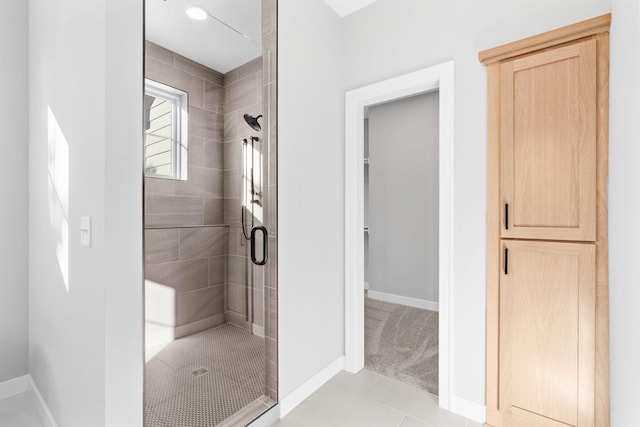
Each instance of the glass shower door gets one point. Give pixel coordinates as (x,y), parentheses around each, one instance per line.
(210,230)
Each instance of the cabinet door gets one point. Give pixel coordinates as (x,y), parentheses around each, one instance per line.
(547,334)
(548,144)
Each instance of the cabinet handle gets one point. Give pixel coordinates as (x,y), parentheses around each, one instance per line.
(506,261)
(506,216)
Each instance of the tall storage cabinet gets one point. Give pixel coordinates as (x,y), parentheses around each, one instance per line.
(547,295)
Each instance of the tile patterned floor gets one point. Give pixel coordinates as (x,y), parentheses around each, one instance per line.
(367,399)
(19,411)
(202,379)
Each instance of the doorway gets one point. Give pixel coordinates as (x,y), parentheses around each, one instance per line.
(438,78)
(401,239)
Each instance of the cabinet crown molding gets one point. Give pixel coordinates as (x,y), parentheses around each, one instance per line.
(562,35)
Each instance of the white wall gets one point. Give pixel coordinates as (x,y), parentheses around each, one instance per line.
(310,193)
(392,37)
(13,175)
(66,180)
(85,77)
(123,297)
(403,197)
(624,211)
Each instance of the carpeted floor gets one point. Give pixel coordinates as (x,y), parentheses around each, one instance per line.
(402,343)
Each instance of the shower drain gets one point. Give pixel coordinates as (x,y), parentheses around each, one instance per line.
(199,372)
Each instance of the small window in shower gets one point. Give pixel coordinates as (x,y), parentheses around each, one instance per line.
(166,131)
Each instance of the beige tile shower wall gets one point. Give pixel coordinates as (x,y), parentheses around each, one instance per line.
(199,199)
(243,94)
(269,87)
(191,261)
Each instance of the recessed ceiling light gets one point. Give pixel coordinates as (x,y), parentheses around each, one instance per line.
(197,13)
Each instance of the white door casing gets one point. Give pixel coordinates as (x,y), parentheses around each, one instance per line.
(438,77)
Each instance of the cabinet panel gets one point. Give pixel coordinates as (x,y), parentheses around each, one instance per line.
(548,144)
(547,334)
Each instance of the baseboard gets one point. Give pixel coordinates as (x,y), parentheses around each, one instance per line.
(42,408)
(468,409)
(199,326)
(257,330)
(237,319)
(402,300)
(14,387)
(25,384)
(296,397)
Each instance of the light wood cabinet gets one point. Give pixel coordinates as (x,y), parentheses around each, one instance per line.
(548,144)
(547,330)
(547,268)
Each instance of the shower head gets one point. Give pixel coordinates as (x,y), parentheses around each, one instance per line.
(253,122)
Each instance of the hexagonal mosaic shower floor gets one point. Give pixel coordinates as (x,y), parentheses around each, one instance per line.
(202,379)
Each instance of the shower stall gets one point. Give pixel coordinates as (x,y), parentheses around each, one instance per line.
(210,212)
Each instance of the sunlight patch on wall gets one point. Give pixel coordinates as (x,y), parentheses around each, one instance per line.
(58,188)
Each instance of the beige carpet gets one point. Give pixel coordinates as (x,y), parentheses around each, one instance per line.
(402,343)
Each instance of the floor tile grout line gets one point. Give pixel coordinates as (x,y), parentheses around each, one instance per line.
(437,408)
(402,420)
(384,405)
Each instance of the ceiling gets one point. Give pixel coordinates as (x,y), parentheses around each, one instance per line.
(345,7)
(207,42)
(210,42)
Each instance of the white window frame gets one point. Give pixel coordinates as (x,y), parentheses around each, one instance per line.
(179,124)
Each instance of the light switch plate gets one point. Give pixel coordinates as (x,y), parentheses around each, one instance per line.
(85,231)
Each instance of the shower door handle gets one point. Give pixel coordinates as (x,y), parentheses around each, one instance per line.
(265,242)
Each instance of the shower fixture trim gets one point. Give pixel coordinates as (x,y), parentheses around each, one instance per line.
(253,122)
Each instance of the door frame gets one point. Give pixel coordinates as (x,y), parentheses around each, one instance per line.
(438,77)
